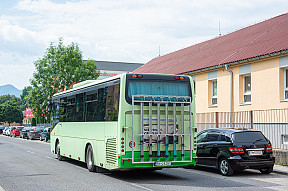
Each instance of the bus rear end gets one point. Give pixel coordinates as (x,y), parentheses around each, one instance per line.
(157,122)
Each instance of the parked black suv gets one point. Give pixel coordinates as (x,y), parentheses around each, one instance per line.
(230,150)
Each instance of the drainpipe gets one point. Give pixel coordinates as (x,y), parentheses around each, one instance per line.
(231,94)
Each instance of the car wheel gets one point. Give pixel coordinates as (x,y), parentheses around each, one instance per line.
(267,170)
(40,138)
(90,159)
(225,168)
(46,140)
(59,157)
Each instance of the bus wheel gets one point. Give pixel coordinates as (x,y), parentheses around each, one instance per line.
(90,159)
(59,157)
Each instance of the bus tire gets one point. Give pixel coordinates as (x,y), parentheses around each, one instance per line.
(59,157)
(90,159)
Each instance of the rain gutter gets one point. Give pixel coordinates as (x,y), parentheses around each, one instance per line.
(231,94)
(236,62)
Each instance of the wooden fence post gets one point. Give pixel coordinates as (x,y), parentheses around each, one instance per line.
(251,119)
(217,120)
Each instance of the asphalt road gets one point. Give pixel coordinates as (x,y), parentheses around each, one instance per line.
(29,165)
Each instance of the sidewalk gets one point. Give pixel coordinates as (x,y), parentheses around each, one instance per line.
(280,169)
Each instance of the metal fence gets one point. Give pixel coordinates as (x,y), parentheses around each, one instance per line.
(43,125)
(273,123)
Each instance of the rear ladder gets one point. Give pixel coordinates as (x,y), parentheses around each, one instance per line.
(162,103)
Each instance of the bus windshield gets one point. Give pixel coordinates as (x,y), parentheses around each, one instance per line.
(167,88)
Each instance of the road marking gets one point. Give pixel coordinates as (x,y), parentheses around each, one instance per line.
(141,187)
(1,189)
(31,152)
(50,158)
(81,168)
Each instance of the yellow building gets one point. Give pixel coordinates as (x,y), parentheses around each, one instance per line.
(261,84)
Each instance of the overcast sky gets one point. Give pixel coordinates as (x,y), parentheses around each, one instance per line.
(117,30)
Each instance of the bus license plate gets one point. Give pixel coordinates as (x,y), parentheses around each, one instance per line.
(255,153)
(163,163)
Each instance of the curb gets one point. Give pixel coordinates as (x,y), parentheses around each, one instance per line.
(280,172)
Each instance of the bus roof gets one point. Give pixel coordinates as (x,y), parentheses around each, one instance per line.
(97,82)
(89,85)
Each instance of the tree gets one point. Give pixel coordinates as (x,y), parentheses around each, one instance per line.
(60,68)
(25,93)
(10,112)
(8,97)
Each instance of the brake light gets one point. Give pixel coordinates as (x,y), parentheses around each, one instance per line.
(236,149)
(48,133)
(34,131)
(140,76)
(134,76)
(176,78)
(269,149)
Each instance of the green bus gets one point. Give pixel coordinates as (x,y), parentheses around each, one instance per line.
(131,121)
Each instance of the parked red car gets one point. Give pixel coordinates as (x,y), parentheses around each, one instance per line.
(16,131)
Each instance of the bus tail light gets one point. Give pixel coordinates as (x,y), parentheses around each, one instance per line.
(236,150)
(137,76)
(181,78)
(176,78)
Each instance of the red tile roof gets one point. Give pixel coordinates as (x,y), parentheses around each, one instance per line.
(261,39)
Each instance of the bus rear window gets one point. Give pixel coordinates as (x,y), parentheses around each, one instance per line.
(167,88)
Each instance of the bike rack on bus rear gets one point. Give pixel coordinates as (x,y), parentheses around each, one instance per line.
(160,102)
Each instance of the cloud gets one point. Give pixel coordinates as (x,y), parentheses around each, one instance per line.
(123,30)
(14,38)
(16,69)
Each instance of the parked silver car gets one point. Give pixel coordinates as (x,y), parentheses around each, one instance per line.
(5,130)
(8,132)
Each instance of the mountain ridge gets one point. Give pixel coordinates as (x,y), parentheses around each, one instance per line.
(10,89)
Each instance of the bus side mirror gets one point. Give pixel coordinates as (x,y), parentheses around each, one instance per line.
(49,107)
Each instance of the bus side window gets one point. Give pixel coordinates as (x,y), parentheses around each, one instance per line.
(55,113)
(91,106)
(79,111)
(70,109)
(112,103)
(62,109)
(102,93)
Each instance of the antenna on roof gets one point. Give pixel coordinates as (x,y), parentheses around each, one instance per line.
(219,29)
(159,50)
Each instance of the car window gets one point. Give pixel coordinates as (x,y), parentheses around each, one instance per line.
(224,137)
(249,136)
(228,139)
(212,136)
(201,137)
